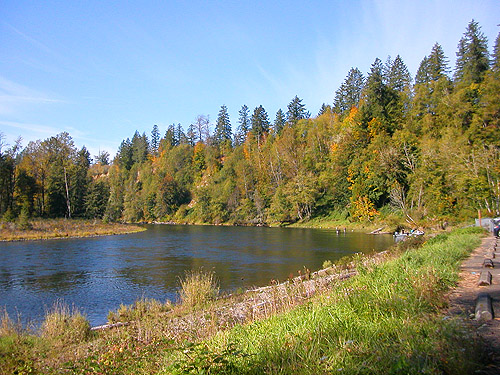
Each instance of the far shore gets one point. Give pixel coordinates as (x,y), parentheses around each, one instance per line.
(48,229)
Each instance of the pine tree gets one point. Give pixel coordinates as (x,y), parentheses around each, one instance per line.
(377,97)
(181,136)
(438,63)
(349,93)
(222,132)
(279,122)
(472,55)
(296,111)
(260,121)
(140,147)
(191,135)
(325,108)
(170,136)
(496,56)
(398,76)
(243,126)
(423,72)
(155,139)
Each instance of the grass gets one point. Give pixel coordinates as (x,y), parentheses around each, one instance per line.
(39,229)
(198,288)
(384,321)
(387,319)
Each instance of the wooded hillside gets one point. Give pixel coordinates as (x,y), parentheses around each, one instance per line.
(417,149)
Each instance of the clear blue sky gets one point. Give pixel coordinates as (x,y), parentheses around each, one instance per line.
(103,69)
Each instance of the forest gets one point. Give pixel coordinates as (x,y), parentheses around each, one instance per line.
(389,147)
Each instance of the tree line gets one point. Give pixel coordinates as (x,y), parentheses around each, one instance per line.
(426,148)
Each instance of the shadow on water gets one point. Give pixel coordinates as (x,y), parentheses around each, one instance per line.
(98,274)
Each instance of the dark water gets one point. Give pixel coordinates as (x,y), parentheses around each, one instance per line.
(98,274)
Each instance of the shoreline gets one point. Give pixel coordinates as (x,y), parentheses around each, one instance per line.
(59,229)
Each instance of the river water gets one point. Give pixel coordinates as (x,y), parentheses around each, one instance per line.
(98,274)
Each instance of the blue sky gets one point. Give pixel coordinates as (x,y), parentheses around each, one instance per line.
(103,69)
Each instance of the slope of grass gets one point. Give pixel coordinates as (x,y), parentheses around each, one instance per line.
(384,321)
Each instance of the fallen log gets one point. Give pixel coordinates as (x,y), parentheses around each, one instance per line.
(376,231)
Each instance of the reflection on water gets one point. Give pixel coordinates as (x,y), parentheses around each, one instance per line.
(98,274)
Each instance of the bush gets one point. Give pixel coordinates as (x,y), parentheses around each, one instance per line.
(198,288)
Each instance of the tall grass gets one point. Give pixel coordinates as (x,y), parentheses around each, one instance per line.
(384,321)
(198,288)
(64,325)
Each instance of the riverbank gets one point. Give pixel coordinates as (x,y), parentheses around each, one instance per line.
(386,319)
(44,229)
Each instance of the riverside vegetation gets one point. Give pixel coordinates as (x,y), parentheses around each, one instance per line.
(37,229)
(387,319)
(389,148)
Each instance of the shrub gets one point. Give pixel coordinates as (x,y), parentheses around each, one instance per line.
(198,288)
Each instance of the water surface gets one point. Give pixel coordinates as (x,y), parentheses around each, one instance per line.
(98,274)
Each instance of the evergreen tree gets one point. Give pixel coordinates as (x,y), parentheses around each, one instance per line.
(279,122)
(140,148)
(80,182)
(222,132)
(260,121)
(181,136)
(438,63)
(325,108)
(472,55)
(243,126)
(496,56)
(377,97)
(398,77)
(96,199)
(124,155)
(7,169)
(102,158)
(170,136)
(349,93)
(423,72)
(155,139)
(296,111)
(191,135)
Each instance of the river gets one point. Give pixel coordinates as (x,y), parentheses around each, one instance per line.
(98,274)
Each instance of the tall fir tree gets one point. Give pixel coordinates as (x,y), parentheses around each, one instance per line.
(349,93)
(260,121)
(398,75)
(296,111)
(155,139)
(222,133)
(438,63)
(244,125)
(279,122)
(472,56)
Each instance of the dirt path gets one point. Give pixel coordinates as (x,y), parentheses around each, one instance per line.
(463,299)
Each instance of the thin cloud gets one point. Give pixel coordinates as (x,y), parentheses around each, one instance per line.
(14,96)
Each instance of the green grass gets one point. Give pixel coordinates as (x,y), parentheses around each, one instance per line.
(387,320)
(384,321)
